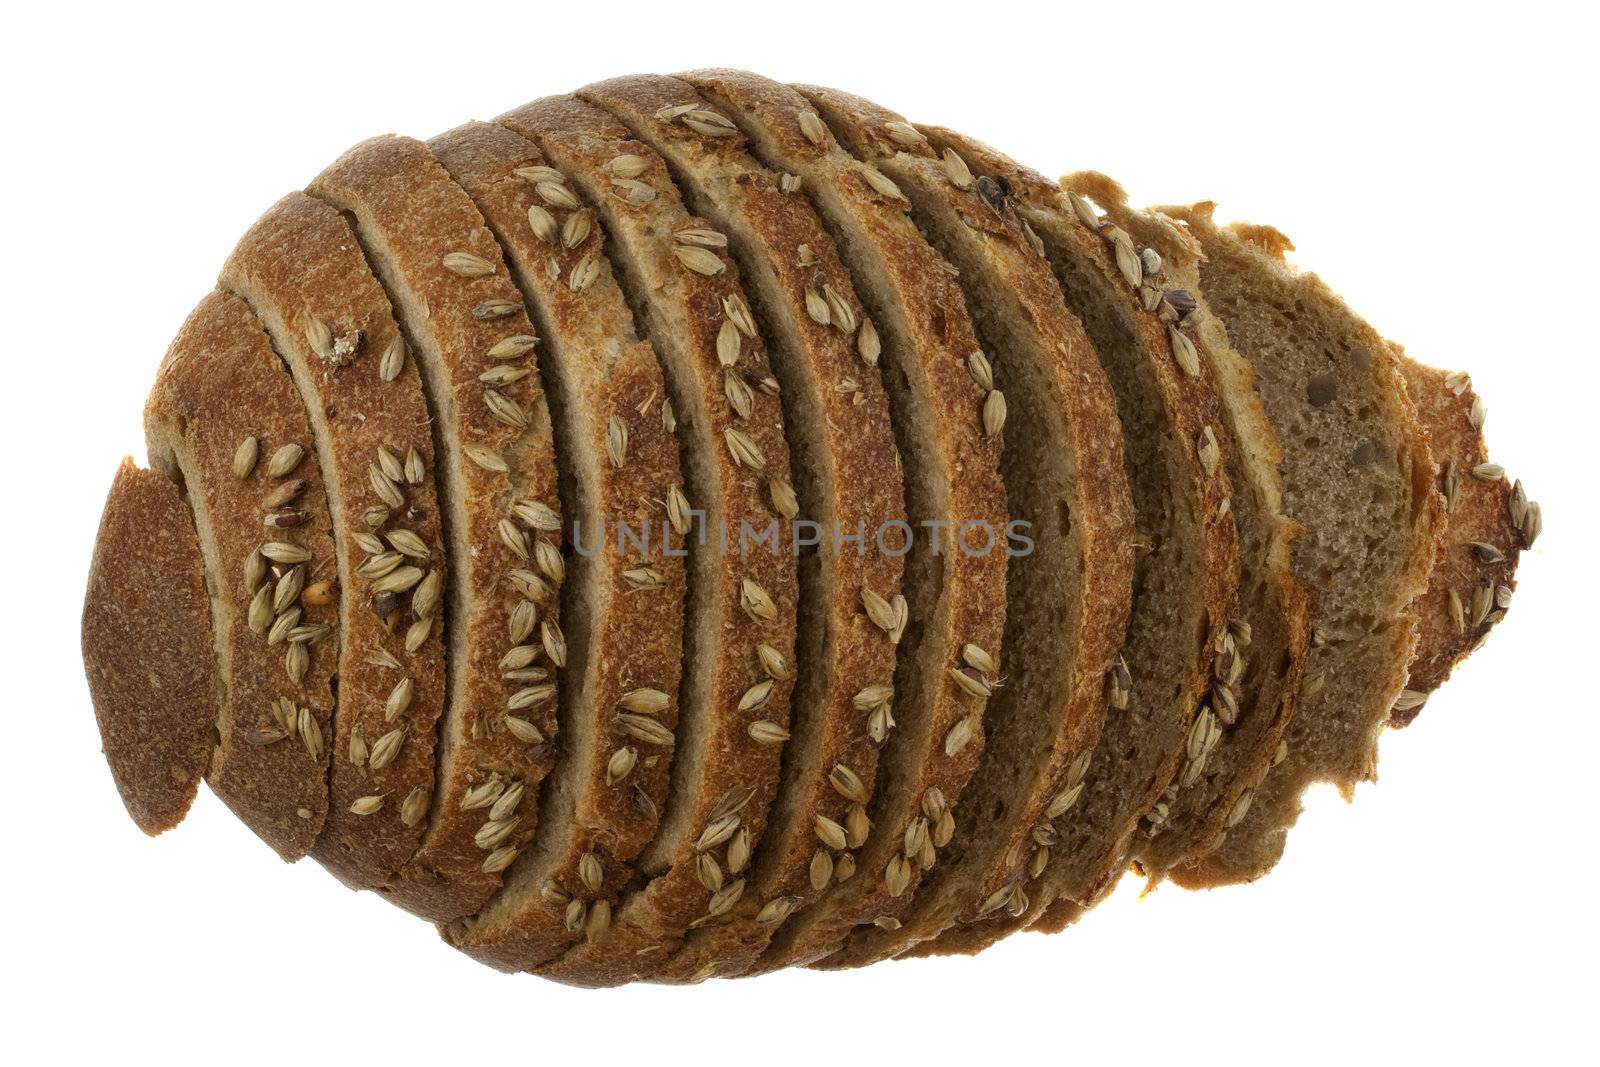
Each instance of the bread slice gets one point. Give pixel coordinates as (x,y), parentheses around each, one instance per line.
(1488,522)
(497,482)
(1186,580)
(622,601)
(948,426)
(1265,649)
(681,283)
(1067,599)
(156,698)
(1358,477)
(255,488)
(301,271)
(837,417)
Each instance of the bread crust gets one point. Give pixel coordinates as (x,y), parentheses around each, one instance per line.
(1486,526)
(928,339)
(625,601)
(1268,651)
(723,772)
(1206,560)
(838,394)
(156,697)
(271,759)
(297,266)
(496,731)
(1085,632)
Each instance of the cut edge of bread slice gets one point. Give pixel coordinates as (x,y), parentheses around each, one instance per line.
(677,276)
(303,275)
(1186,581)
(837,418)
(622,602)
(273,606)
(931,725)
(1265,649)
(1068,595)
(1358,477)
(441,267)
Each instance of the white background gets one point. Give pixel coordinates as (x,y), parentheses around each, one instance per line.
(1434,166)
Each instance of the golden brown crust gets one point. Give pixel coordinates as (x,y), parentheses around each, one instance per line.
(627,631)
(928,340)
(1080,418)
(735,452)
(1486,527)
(271,759)
(497,484)
(298,267)
(838,393)
(1200,554)
(147,648)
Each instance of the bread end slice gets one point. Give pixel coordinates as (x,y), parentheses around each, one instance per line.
(147,648)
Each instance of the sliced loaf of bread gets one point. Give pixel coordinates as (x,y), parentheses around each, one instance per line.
(681,283)
(837,417)
(1186,579)
(496,475)
(622,599)
(1068,595)
(948,424)
(302,271)
(1358,476)
(255,489)
(1262,661)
